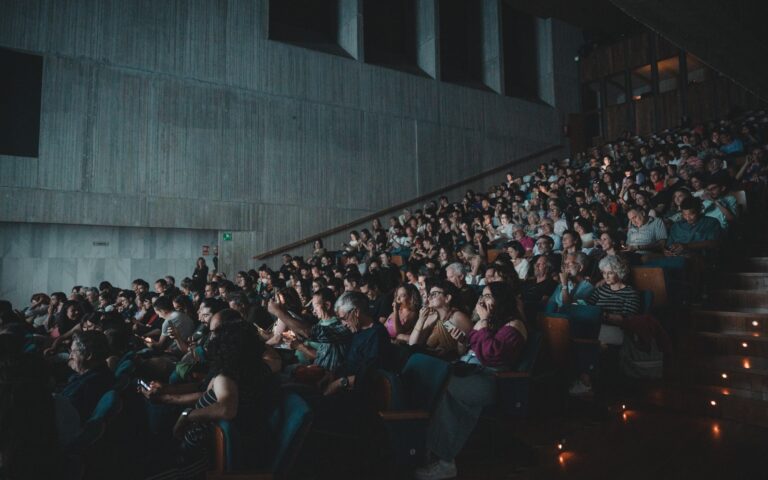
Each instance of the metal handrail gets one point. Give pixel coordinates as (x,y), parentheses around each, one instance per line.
(401,205)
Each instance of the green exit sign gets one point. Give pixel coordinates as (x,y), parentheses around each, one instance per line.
(228,236)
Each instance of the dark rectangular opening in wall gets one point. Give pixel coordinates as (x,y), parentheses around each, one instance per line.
(461,42)
(390,34)
(521,71)
(306,23)
(21,84)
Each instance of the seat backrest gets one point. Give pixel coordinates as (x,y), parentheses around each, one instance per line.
(556,333)
(387,391)
(109,405)
(584,320)
(291,423)
(646,296)
(741,199)
(424,378)
(227,445)
(397,260)
(530,353)
(125,367)
(651,279)
(492,255)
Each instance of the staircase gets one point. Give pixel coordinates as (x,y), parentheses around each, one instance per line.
(721,366)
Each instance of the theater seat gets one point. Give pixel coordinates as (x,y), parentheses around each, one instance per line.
(409,400)
(651,279)
(93,429)
(290,423)
(514,385)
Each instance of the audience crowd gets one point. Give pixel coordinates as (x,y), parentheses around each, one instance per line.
(463,281)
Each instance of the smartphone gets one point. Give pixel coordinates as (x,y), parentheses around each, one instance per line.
(142,384)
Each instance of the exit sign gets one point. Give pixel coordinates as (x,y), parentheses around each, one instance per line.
(228,236)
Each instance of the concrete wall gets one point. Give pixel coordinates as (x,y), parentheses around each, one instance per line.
(181,114)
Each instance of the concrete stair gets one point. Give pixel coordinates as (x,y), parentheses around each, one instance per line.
(721,365)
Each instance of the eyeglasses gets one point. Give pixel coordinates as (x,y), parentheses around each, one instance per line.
(435,293)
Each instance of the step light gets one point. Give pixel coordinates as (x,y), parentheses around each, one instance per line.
(713,403)
(744,344)
(755,323)
(724,375)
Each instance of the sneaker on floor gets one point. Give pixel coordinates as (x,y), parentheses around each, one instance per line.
(580,388)
(437,471)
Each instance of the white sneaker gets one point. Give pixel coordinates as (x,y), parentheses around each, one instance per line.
(438,470)
(580,388)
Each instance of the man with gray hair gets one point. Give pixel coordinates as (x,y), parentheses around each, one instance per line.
(644,234)
(369,349)
(88,358)
(467,298)
(574,283)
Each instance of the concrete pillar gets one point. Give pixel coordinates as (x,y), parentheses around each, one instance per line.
(427,42)
(492,51)
(350,27)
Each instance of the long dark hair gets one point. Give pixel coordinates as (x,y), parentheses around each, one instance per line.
(236,352)
(505,305)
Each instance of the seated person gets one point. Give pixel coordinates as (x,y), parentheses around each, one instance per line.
(240,388)
(645,234)
(617,300)
(405,312)
(695,233)
(88,358)
(323,344)
(516,252)
(718,204)
(176,325)
(290,306)
(496,342)
(369,348)
(537,290)
(441,324)
(574,282)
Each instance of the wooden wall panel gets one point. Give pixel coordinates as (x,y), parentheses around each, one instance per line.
(645,113)
(700,102)
(616,120)
(669,109)
(639,52)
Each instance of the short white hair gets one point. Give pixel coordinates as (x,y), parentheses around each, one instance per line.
(614,264)
(456,267)
(349,301)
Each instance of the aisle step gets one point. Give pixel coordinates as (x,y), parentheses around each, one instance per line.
(731,321)
(744,280)
(733,404)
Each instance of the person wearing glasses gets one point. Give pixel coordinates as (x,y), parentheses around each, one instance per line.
(495,343)
(441,326)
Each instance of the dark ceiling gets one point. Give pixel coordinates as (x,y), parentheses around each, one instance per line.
(729,36)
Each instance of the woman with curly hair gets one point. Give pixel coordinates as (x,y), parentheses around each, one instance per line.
(240,389)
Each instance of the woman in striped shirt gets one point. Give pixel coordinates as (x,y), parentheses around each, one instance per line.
(617,300)
(615,297)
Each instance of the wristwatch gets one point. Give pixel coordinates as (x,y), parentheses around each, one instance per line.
(345,383)
(185,413)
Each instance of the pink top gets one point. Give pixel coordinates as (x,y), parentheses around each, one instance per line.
(390,323)
(501,348)
(527,242)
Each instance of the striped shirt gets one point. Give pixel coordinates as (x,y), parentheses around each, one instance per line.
(625,301)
